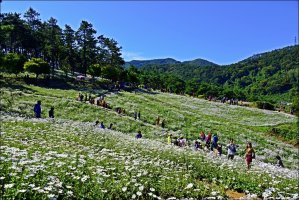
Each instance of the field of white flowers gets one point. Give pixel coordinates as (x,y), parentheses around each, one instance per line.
(69,158)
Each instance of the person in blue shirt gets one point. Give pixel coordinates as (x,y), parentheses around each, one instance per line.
(214,142)
(38,109)
(139,135)
(102,125)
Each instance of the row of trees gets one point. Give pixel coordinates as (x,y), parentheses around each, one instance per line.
(172,83)
(16,63)
(64,48)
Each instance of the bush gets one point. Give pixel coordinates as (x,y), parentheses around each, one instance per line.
(37,66)
(264,105)
(13,63)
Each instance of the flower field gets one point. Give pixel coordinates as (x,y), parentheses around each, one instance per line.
(69,158)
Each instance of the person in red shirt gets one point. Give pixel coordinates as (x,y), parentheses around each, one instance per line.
(202,136)
(208,140)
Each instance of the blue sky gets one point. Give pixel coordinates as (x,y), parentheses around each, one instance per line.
(223,32)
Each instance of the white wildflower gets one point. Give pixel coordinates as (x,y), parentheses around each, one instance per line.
(69,193)
(51,195)
(190,185)
(141,188)
(213,193)
(139,193)
(7,186)
(124,189)
(171,198)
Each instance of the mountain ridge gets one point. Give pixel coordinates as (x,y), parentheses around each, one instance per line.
(165,61)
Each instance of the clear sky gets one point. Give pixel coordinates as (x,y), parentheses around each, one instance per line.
(223,32)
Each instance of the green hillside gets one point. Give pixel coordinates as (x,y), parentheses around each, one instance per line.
(161,63)
(68,157)
(271,75)
(141,63)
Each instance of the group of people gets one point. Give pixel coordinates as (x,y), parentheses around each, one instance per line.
(137,115)
(211,142)
(99,101)
(231,101)
(101,125)
(38,110)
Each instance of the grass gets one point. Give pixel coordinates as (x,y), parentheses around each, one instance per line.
(69,157)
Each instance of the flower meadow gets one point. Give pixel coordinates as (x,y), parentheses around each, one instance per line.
(70,158)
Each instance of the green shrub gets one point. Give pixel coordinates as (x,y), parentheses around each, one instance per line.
(264,105)
(37,66)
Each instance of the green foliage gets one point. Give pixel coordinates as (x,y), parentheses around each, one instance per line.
(295,104)
(264,105)
(13,63)
(110,72)
(192,86)
(288,132)
(132,74)
(37,66)
(87,44)
(2,67)
(65,67)
(94,70)
(80,48)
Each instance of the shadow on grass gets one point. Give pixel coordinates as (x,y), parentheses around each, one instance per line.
(144,91)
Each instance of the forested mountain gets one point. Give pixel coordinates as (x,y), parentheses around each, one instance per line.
(269,73)
(199,62)
(141,63)
(167,61)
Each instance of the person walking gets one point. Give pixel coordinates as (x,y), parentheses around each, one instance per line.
(214,142)
(51,112)
(279,161)
(38,109)
(231,149)
(249,154)
(135,115)
(163,123)
(139,135)
(102,125)
(169,139)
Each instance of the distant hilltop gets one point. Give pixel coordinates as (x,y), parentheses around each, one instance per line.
(169,61)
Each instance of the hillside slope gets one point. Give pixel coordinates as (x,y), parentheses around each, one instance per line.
(70,157)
